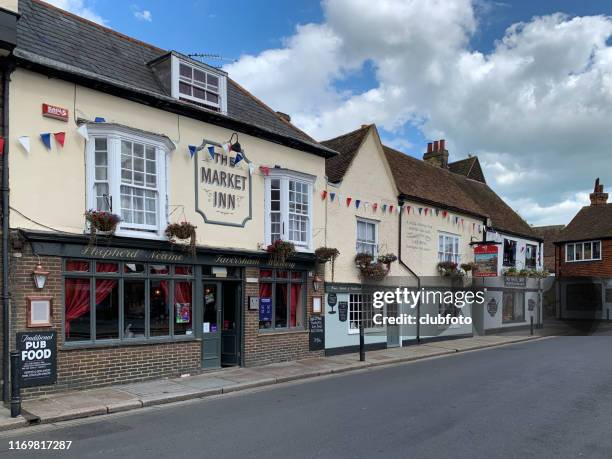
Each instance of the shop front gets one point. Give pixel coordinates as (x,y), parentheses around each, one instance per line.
(126,310)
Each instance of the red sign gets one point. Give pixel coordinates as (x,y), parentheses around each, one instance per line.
(58,113)
(485,258)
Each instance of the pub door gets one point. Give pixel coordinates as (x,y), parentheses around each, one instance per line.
(211,332)
(231,323)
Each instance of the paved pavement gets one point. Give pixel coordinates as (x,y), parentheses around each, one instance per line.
(544,398)
(80,404)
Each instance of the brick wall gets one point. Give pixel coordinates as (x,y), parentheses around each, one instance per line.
(601,268)
(271,347)
(96,366)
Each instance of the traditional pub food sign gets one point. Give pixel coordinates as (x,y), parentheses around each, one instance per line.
(223,188)
(485,258)
(37,357)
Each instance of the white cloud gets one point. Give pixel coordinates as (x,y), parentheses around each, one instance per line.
(536,109)
(80,8)
(551,214)
(143,15)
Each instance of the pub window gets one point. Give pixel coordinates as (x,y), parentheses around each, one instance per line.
(367,237)
(285,292)
(288,208)
(361,310)
(583,251)
(509,252)
(531,256)
(105,301)
(448,248)
(127,176)
(513,307)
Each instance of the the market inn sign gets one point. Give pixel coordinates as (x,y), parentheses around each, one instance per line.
(223,189)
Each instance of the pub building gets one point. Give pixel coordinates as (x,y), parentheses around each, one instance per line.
(101,121)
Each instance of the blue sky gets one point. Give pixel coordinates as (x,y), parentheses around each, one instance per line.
(511,81)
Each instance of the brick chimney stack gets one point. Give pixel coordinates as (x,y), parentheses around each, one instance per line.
(598,197)
(437,154)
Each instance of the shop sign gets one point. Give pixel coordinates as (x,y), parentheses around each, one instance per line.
(492,307)
(38,358)
(515,281)
(316,333)
(343,311)
(485,258)
(223,189)
(265,309)
(531,304)
(58,113)
(332,300)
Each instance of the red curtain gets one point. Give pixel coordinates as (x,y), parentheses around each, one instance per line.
(265,290)
(77,300)
(182,291)
(296,298)
(105,286)
(76,265)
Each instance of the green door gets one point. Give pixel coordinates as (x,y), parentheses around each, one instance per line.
(211,330)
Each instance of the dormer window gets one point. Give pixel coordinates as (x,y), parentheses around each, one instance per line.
(198,85)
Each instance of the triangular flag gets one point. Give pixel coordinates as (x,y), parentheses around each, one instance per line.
(211,151)
(348,201)
(251,168)
(357,202)
(444,213)
(25,143)
(366,205)
(374,206)
(426,210)
(391,209)
(227,147)
(332,196)
(238,158)
(1,145)
(420,210)
(192,150)
(408,210)
(323,194)
(384,208)
(60,137)
(82,130)
(265,170)
(437,212)
(46,139)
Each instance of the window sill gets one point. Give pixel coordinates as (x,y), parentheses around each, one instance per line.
(296,331)
(70,346)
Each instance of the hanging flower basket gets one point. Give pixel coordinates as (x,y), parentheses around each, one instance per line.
(374,270)
(325,254)
(280,251)
(387,258)
(468,267)
(182,231)
(450,269)
(101,222)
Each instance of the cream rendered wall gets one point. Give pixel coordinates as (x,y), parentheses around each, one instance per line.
(420,237)
(368,179)
(49,186)
(10,5)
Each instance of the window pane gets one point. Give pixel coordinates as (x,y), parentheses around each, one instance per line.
(212,81)
(210,308)
(199,93)
(199,76)
(185,71)
(159,269)
(77,309)
(100,143)
(213,98)
(282,274)
(280,306)
(183,307)
(134,308)
(134,268)
(182,270)
(578,251)
(184,88)
(159,315)
(587,251)
(597,250)
(265,273)
(265,316)
(77,266)
(297,307)
(107,309)
(103,267)
(570,252)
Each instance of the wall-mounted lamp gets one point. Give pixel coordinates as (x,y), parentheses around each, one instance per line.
(317,282)
(235,145)
(40,276)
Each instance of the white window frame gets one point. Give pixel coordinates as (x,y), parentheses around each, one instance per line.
(285,176)
(367,221)
(456,256)
(114,135)
(222,76)
(535,251)
(581,245)
(356,300)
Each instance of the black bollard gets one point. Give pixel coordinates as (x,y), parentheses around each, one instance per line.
(531,325)
(15,386)
(361,343)
(608,314)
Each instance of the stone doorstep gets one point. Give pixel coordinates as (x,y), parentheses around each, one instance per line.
(137,395)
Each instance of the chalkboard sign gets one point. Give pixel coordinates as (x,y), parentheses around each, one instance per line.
(38,357)
(316,335)
(343,311)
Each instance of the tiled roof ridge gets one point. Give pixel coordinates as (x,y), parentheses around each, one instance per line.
(100,26)
(267,107)
(364,127)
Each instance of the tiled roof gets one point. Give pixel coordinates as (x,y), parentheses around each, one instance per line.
(591,222)
(55,39)
(347,146)
(469,167)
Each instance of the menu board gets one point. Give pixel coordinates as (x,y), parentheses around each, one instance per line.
(316,333)
(38,357)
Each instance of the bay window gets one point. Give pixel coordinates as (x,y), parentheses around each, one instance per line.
(583,251)
(288,208)
(105,301)
(126,173)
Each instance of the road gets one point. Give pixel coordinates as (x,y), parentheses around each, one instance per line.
(548,398)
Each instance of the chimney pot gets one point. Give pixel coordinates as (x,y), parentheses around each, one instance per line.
(435,145)
(284,116)
(598,197)
(442,142)
(429,147)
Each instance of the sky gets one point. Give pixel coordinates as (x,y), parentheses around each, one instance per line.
(525,85)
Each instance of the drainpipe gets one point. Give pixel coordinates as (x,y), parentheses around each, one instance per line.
(7,68)
(400,203)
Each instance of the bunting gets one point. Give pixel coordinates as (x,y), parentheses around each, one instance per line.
(25,143)
(265,170)
(192,150)
(211,151)
(348,201)
(324,194)
(332,196)
(60,138)
(82,131)
(357,202)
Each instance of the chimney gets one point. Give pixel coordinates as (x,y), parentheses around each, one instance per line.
(598,197)
(284,116)
(438,155)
